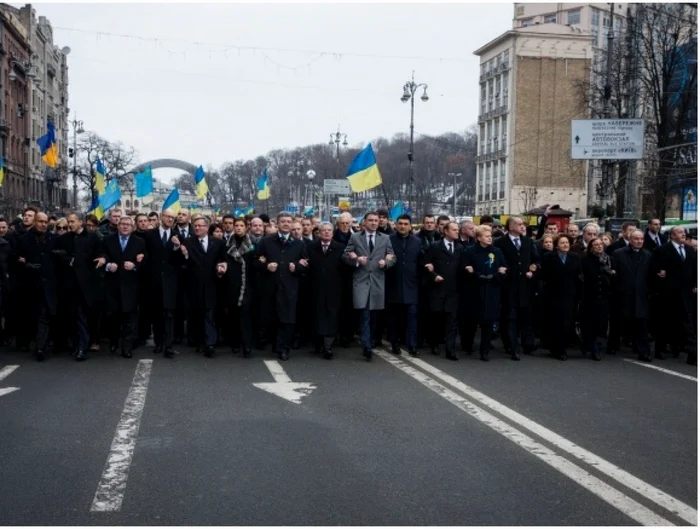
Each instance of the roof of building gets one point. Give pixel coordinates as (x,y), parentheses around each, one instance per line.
(539,30)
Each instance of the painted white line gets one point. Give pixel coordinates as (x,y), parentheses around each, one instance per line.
(277,371)
(677,507)
(283,385)
(110,490)
(667,371)
(7,371)
(620,501)
(6,391)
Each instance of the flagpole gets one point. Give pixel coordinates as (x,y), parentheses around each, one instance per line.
(386,197)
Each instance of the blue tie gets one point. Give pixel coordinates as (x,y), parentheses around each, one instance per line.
(124,241)
(563,259)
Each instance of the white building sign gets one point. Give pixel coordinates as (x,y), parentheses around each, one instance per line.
(607,139)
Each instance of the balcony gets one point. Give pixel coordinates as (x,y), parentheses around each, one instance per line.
(4,128)
(50,70)
(499,68)
(498,111)
(490,156)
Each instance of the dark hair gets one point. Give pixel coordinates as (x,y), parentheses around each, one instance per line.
(428,216)
(404,216)
(281,215)
(140,215)
(443,217)
(93,219)
(560,237)
(227,216)
(370,213)
(213,227)
(265,218)
(628,224)
(382,212)
(241,220)
(486,219)
(153,214)
(589,248)
(30,208)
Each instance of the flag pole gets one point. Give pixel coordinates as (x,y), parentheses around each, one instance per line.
(386,197)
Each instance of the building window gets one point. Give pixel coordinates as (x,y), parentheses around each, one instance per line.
(574,17)
(504,83)
(483,68)
(488,135)
(483,98)
(502,192)
(550,18)
(504,131)
(595,18)
(482,136)
(491,94)
(493,182)
(495,136)
(506,54)
(525,22)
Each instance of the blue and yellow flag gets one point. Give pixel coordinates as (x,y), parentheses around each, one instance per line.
(200,183)
(263,186)
(144,182)
(100,180)
(363,173)
(2,170)
(111,196)
(308,211)
(397,210)
(173,201)
(96,209)
(48,146)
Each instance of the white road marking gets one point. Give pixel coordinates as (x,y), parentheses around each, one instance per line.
(283,385)
(677,507)
(7,371)
(617,499)
(110,490)
(5,391)
(667,371)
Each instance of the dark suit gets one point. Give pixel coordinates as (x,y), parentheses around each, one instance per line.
(562,288)
(402,283)
(675,295)
(182,309)
(122,289)
(325,278)
(162,274)
(631,289)
(443,296)
(348,317)
(650,244)
(517,292)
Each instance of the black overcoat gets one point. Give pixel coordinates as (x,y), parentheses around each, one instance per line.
(236,273)
(201,279)
(517,289)
(631,283)
(676,289)
(595,300)
(39,274)
(162,271)
(326,281)
(481,294)
(122,286)
(443,296)
(78,274)
(402,279)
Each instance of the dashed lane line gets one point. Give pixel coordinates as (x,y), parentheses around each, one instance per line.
(663,370)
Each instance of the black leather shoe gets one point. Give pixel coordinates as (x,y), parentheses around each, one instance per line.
(113,349)
(367,353)
(247,353)
(158,349)
(396,350)
(284,356)
(434,351)
(452,356)
(515,356)
(170,353)
(484,358)
(596,356)
(328,354)
(40,356)
(413,352)
(80,356)
(563,357)
(209,351)
(126,354)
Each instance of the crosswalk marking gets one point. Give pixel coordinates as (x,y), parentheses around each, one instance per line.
(663,370)
(7,371)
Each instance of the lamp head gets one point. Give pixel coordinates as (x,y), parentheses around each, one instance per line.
(424,97)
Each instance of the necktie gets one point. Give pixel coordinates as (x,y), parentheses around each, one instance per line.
(203,246)
(517,244)
(449,246)
(680,251)
(563,259)
(325,248)
(658,242)
(183,233)
(165,237)
(371,243)
(123,240)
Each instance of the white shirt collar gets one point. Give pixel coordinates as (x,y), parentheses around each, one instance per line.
(677,245)
(448,243)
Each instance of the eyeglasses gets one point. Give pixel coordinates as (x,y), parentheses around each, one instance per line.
(61,228)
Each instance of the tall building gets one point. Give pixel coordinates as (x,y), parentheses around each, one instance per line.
(36,79)
(528,97)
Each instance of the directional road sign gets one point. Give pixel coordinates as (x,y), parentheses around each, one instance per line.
(607,139)
(336,186)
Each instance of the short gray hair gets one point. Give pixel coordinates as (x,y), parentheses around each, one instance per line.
(324,224)
(592,225)
(79,216)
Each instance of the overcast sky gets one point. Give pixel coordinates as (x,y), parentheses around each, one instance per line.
(239,94)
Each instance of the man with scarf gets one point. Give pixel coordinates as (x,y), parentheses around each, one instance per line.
(348,320)
(239,282)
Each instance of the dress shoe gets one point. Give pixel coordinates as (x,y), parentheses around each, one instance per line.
(377,343)
(158,349)
(170,353)
(413,352)
(515,356)
(367,353)
(434,350)
(596,356)
(209,351)
(235,350)
(247,353)
(644,358)
(452,356)
(80,356)
(563,357)
(328,354)
(396,350)
(660,356)
(284,356)
(40,355)
(484,357)
(126,353)
(113,349)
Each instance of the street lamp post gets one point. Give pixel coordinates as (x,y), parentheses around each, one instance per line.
(409,92)
(454,192)
(296,170)
(335,138)
(77,129)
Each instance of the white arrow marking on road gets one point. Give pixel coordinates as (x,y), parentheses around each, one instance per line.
(283,385)
(4,373)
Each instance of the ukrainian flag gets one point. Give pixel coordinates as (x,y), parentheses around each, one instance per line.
(173,201)
(112,194)
(200,183)
(363,173)
(237,213)
(308,211)
(96,209)
(2,170)
(263,187)
(100,181)
(49,148)
(249,210)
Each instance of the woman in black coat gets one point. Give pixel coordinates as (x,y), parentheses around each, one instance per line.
(482,270)
(239,289)
(561,273)
(596,296)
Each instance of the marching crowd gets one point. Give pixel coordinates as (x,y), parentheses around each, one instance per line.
(69,283)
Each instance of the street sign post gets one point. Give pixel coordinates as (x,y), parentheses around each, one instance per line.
(607,139)
(336,186)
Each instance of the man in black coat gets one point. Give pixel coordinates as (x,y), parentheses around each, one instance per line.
(16,325)
(675,274)
(632,266)
(162,281)
(427,236)
(402,282)
(442,264)
(348,317)
(205,262)
(79,251)
(145,320)
(124,254)
(184,231)
(35,253)
(522,260)
(283,260)
(325,276)
(627,229)
(653,238)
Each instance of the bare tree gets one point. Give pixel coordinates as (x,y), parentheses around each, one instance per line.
(529,196)
(116,158)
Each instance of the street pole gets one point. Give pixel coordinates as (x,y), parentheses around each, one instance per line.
(77,129)
(409,92)
(454,192)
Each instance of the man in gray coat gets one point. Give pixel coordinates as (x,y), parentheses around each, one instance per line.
(371,254)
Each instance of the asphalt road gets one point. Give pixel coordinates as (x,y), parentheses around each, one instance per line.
(394,441)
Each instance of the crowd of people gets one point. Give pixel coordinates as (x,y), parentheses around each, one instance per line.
(244,283)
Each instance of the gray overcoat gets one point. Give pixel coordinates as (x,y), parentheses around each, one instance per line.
(368,280)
